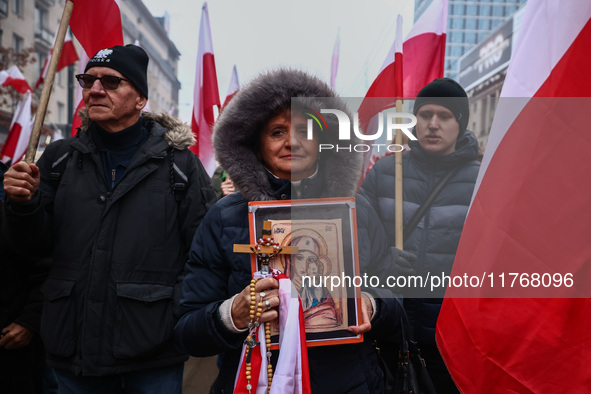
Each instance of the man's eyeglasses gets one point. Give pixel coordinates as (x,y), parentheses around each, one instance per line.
(109,82)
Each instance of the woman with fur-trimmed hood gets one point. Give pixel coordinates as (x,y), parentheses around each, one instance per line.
(261,141)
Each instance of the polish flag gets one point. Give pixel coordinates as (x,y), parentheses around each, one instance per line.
(233,88)
(19,133)
(423,61)
(67,57)
(88,18)
(291,374)
(13,77)
(335,61)
(206,96)
(389,82)
(530,215)
(403,76)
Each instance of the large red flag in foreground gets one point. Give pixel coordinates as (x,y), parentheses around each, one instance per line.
(206,95)
(67,57)
(530,215)
(96,25)
(15,78)
(20,130)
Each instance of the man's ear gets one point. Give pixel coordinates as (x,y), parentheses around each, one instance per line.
(141,102)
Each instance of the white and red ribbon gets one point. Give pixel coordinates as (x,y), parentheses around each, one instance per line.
(291,374)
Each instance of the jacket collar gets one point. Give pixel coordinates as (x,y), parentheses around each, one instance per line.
(466,150)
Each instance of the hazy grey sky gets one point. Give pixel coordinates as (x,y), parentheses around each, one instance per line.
(262,34)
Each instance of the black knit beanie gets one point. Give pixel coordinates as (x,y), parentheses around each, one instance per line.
(130,60)
(449,94)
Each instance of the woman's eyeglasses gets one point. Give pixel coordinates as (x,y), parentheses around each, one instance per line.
(109,82)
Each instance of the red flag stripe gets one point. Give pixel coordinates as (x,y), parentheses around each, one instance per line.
(20,85)
(424,61)
(92,16)
(13,77)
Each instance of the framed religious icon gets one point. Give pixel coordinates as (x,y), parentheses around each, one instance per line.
(322,271)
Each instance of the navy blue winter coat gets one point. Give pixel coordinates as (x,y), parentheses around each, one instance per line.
(215,273)
(436,237)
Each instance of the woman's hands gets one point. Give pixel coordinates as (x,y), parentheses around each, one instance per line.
(266,292)
(366,313)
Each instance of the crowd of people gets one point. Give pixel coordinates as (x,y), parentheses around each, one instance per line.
(117,254)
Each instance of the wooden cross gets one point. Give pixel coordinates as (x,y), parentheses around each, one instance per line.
(265,248)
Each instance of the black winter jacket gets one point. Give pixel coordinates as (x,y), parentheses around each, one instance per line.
(436,237)
(20,282)
(215,273)
(21,370)
(118,256)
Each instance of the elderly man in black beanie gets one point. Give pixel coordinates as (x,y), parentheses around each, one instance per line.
(117,206)
(444,157)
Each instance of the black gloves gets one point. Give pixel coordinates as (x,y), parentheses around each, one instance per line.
(404,262)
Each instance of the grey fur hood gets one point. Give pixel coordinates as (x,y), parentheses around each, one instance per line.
(178,134)
(237,130)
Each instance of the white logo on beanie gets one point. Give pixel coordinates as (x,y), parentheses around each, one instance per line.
(102,54)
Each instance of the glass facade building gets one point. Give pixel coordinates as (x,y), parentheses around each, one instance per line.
(468,23)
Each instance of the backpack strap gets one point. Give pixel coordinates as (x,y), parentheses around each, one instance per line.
(416,218)
(179,181)
(58,167)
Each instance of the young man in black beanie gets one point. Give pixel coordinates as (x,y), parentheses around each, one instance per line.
(117,206)
(444,147)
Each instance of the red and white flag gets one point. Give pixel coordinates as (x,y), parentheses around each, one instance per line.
(382,95)
(206,96)
(67,57)
(407,68)
(15,78)
(88,18)
(233,87)
(423,60)
(292,373)
(20,131)
(334,66)
(530,222)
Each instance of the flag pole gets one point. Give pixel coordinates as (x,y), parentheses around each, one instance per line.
(48,85)
(398,221)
